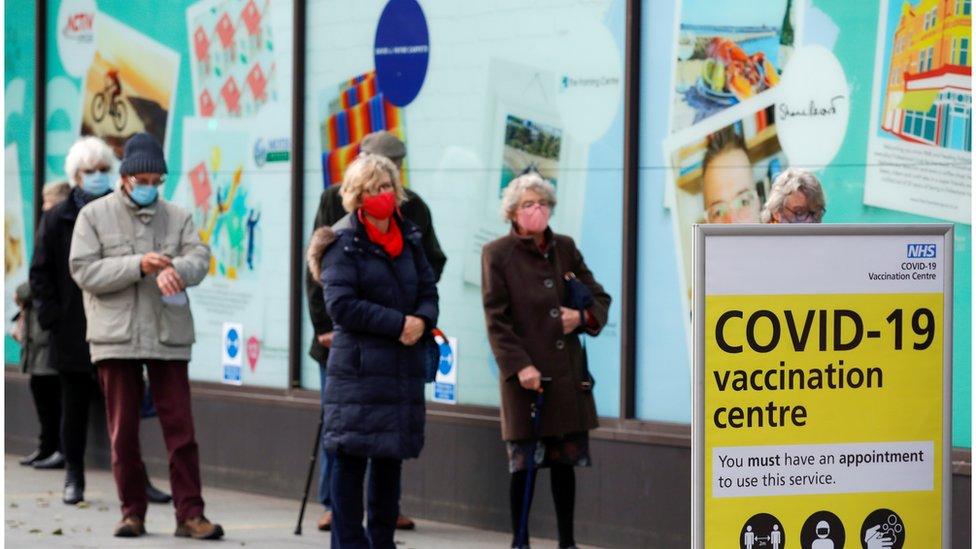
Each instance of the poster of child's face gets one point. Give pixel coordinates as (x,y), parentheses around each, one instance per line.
(129,86)
(721,173)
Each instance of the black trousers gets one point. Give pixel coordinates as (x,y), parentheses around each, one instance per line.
(383,502)
(77,391)
(46,392)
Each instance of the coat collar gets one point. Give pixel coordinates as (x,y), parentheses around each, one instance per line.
(68,209)
(528,242)
(350,223)
(142,213)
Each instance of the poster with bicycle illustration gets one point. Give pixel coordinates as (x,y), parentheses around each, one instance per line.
(232,57)
(129,86)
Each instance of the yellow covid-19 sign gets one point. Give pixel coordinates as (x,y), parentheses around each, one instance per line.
(820,402)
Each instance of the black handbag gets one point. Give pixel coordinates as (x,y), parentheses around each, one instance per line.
(432,341)
(579,297)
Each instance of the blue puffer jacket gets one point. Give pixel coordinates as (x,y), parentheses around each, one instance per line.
(374,397)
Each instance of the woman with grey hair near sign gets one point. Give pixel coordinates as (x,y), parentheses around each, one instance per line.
(795,197)
(539,296)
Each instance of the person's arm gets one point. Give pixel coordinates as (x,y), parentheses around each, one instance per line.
(43,278)
(193,261)
(427,300)
(596,315)
(420,215)
(91,270)
(345,307)
(321,322)
(505,343)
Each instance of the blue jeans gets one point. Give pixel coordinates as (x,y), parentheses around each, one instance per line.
(325,460)
(383,493)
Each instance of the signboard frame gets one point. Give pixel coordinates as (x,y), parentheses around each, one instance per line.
(703,232)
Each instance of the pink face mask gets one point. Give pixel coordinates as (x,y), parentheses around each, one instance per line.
(533,219)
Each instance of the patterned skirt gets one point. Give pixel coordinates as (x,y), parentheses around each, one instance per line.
(569,449)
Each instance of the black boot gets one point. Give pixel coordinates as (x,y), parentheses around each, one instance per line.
(33,457)
(155,495)
(74,486)
(53,461)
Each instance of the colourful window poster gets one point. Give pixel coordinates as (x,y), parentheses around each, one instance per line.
(920,139)
(129,86)
(721,172)
(726,54)
(232,187)
(232,62)
(15,253)
(347,113)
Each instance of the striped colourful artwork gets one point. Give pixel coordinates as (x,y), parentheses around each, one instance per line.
(362,110)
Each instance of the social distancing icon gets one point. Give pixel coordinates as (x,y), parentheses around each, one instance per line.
(762,531)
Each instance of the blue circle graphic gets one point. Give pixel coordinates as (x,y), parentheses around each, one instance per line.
(233,343)
(447,359)
(401,51)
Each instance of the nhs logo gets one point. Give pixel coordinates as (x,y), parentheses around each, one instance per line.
(921,251)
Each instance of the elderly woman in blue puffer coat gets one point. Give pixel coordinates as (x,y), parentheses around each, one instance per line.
(380,293)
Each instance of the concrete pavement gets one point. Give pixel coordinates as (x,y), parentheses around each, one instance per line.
(36,517)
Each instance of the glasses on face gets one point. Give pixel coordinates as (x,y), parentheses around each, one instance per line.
(385,187)
(803,215)
(102,169)
(721,210)
(530,203)
(148,181)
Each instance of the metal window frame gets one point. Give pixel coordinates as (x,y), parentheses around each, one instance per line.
(40,106)
(296,245)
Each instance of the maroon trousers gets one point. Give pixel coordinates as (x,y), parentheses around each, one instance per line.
(122,385)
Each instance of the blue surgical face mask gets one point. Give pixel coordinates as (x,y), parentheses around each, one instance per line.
(143,195)
(97,183)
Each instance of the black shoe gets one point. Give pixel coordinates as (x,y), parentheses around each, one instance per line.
(33,457)
(155,495)
(53,461)
(74,487)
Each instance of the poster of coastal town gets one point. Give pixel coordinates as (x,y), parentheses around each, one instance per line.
(922,110)
(726,54)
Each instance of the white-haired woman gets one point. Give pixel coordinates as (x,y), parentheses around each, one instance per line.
(380,294)
(59,309)
(532,280)
(796,196)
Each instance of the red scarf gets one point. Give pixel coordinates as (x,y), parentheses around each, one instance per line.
(391,241)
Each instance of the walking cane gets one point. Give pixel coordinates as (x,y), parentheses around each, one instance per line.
(535,413)
(311,469)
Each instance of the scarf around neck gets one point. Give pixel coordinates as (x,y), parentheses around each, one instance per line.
(391,241)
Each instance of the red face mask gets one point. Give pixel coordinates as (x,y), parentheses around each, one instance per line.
(379,206)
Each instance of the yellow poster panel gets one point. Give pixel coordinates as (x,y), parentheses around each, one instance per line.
(823,421)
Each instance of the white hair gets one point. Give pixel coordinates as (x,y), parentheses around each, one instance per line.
(531,181)
(789,182)
(86,153)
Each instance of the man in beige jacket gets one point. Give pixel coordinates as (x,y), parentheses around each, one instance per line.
(133,255)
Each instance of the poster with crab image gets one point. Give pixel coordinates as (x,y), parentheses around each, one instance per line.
(232,57)
(726,54)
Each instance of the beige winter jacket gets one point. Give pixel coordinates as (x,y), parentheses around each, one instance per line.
(127,317)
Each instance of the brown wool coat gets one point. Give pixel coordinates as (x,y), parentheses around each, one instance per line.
(522,289)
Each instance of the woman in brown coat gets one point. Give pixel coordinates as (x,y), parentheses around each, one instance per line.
(534,336)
